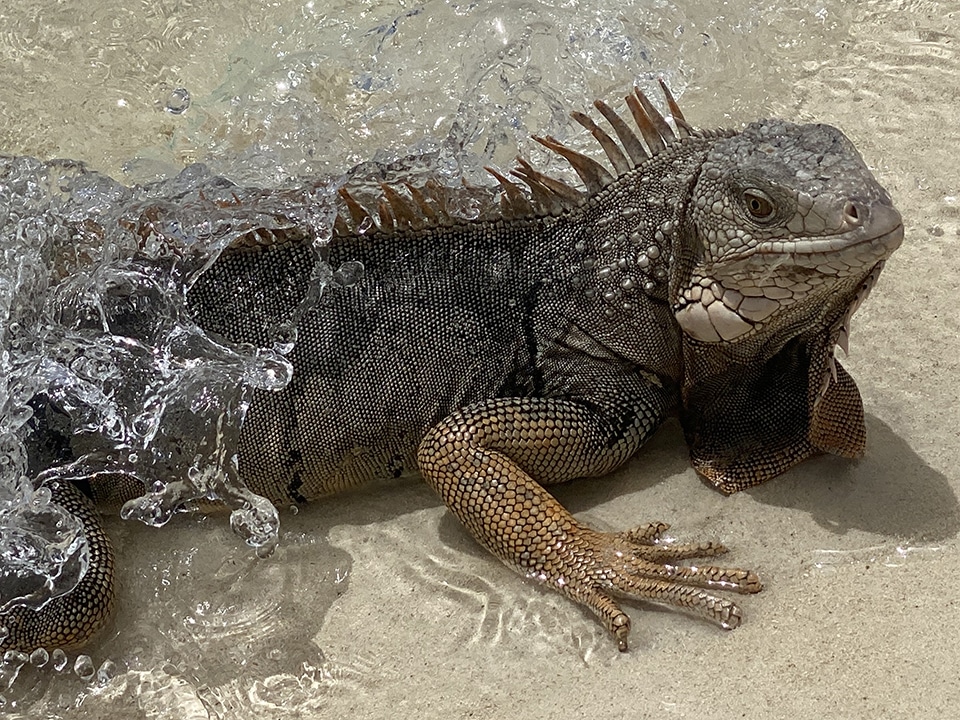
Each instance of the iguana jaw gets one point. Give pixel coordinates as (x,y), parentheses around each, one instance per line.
(855,244)
(738,296)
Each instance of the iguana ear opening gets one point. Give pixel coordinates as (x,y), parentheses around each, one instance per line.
(749,423)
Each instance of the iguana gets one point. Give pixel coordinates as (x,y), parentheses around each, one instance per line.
(710,272)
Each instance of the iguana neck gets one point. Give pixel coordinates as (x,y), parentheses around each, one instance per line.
(753,409)
(812,323)
(611,286)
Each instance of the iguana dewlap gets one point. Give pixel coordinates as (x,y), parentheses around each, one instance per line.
(712,273)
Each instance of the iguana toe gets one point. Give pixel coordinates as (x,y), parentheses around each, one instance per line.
(633,564)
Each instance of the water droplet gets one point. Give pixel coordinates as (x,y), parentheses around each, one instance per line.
(285,338)
(83,667)
(59,658)
(107,671)
(257,522)
(39,657)
(177,101)
(349,274)
(366,225)
(14,657)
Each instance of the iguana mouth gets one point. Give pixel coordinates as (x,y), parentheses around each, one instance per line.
(886,234)
(720,306)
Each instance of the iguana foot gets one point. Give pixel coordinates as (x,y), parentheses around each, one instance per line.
(595,566)
(482,461)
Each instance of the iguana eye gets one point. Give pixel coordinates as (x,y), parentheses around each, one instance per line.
(758,204)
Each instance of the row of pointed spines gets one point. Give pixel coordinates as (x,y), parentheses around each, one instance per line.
(536,194)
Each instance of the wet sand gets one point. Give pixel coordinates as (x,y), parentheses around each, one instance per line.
(378,605)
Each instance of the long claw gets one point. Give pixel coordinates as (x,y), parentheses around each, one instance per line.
(637,564)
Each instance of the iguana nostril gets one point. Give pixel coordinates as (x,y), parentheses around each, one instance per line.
(852,214)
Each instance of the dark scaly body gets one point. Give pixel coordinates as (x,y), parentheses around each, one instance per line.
(463,313)
(499,357)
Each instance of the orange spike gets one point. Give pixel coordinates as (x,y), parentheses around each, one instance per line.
(594,175)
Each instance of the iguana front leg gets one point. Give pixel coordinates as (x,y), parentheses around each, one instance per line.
(489,463)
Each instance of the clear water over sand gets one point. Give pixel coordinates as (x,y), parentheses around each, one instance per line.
(377,604)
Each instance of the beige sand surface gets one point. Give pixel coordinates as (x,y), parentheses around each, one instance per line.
(377,604)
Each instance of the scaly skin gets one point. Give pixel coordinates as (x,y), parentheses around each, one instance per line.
(70,620)
(498,357)
(490,462)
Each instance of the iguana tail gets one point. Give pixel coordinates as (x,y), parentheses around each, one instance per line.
(70,620)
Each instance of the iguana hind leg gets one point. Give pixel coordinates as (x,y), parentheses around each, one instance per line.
(489,463)
(70,620)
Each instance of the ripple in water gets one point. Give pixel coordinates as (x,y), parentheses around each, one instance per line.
(265,108)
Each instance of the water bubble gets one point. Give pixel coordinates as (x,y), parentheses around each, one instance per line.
(14,657)
(155,508)
(366,225)
(107,671)
(285,338)
(39,657)
(13,661)
(257,523)
(83,667)
(177,101)
(349,273)
(59,658)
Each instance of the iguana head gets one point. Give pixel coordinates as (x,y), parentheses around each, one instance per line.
(786,232)
(785,215)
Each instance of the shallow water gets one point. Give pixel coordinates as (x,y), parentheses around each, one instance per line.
(376,602)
